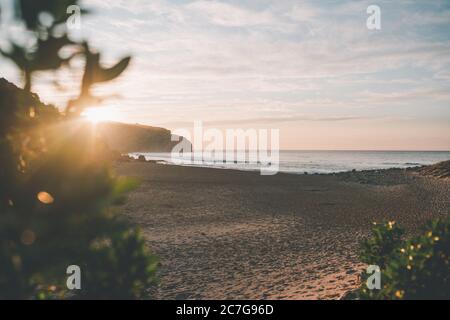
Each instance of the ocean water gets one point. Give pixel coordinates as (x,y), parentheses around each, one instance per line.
(316,161)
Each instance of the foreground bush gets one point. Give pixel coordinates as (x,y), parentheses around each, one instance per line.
(415,268)
(57,192)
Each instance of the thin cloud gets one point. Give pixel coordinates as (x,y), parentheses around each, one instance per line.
(271,121)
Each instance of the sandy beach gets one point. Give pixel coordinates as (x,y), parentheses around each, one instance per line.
(224,234)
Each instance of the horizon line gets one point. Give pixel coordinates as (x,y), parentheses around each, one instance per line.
(345,150)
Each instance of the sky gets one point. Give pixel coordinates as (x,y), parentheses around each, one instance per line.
(311,69)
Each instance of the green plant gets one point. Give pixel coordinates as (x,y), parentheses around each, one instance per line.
(57,191)
(385,239)
(415,268)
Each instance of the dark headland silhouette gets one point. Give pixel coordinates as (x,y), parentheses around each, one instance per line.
(120,137)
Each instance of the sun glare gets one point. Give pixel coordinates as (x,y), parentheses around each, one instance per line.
(100,114)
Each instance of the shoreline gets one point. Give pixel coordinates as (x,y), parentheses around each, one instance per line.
(412,168)
(227,234)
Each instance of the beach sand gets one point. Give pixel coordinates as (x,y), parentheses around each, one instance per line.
(224,234)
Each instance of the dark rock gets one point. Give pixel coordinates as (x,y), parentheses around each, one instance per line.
(127,138)
(439,170)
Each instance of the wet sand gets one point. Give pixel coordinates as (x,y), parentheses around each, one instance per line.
(223,234)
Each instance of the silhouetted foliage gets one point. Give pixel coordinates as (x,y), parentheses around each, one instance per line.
(416,268)
(57,192)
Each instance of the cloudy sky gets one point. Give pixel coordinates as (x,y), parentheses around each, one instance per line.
(309,68)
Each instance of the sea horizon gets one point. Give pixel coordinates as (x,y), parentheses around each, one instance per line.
(311,161)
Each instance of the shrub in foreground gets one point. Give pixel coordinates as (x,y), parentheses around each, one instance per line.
(415,268)
(57,192)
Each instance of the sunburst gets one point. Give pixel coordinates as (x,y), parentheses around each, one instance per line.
(100,114)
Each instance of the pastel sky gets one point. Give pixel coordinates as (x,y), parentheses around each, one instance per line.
(309,68)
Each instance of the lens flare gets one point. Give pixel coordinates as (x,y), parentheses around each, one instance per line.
(100,114)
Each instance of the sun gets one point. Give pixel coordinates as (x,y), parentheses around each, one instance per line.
(100,114)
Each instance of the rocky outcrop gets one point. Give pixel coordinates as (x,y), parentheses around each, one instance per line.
(438,170)
(128,138)
(119,137)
